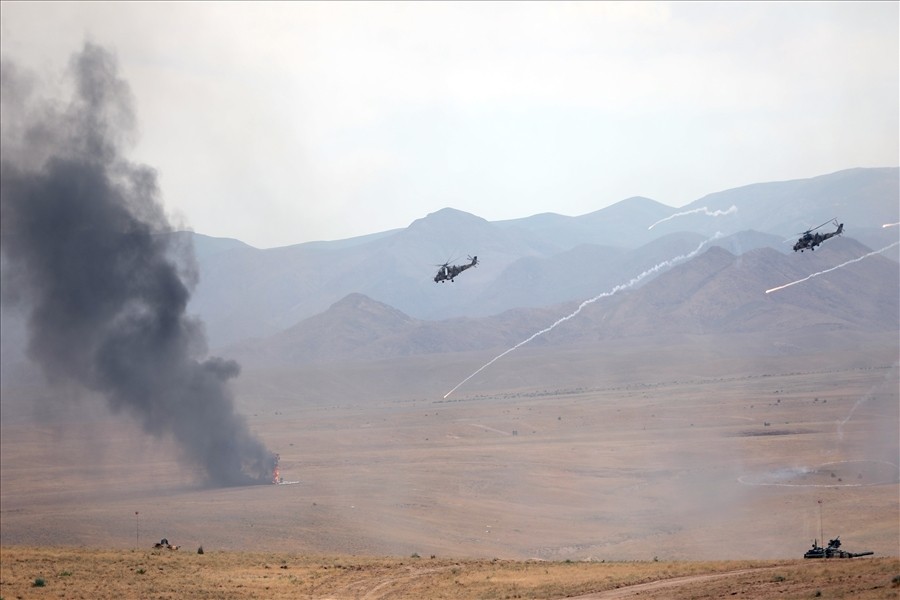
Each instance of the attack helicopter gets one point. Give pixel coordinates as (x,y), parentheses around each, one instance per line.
(450,272)
(810,240)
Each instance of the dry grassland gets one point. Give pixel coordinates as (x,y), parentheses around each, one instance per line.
(97,574)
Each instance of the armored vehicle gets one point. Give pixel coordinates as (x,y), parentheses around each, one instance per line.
(833,550)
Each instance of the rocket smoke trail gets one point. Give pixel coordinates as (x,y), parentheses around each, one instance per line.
(704,210)
(886,225)
(83,242)
(808,277)
(616,289)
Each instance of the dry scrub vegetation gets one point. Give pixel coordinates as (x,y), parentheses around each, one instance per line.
(75,573)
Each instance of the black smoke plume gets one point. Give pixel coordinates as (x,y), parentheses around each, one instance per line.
(84,243)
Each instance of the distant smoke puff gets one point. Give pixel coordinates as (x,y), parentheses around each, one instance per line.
(83,239)
(704,210)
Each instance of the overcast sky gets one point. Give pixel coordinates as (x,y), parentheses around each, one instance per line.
(280,123)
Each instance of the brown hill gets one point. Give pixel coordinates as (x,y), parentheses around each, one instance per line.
(718,292)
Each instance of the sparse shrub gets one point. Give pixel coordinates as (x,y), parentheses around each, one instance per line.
(414,555)
(895,582)
(200,550)
(818,594)
(778,578)
(65,574)
(141,571)
(39,582)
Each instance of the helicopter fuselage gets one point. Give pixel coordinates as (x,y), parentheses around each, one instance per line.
(811,240)
(449,272)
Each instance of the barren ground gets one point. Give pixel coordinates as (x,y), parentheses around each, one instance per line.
(632,453)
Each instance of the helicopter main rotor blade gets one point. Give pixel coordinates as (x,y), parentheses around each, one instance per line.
(834,220)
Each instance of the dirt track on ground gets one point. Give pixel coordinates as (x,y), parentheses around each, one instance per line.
(44,573)
(663,587)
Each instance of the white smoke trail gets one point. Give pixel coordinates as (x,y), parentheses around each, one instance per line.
(886,225)
(781,287)
(616,289)
(840,427)
(706,211)
(868,396)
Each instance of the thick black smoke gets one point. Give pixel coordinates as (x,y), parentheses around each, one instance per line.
(83,241)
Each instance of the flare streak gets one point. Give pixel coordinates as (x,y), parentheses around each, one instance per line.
(618,288)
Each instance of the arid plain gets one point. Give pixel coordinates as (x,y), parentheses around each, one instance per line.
(634,450)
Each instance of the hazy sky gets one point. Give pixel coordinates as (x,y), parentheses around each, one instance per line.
(279,123)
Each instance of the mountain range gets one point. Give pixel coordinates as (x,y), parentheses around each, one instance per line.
(538,261)
(644,269)
(716,292)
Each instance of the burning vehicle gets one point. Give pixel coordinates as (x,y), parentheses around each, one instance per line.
(277,479)
(276,475)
